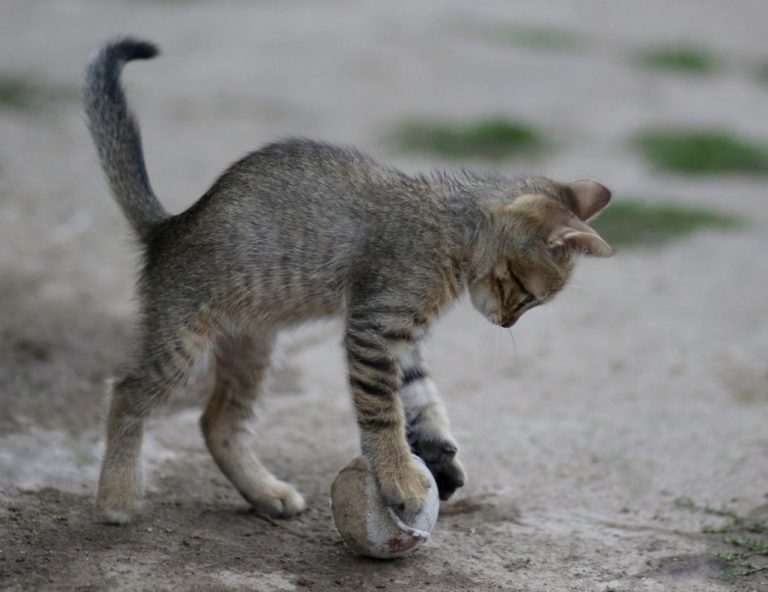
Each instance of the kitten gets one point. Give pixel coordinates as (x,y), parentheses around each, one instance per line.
(300,230)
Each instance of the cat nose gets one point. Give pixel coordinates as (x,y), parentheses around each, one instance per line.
(509,322)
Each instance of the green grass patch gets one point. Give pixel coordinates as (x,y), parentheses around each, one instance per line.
(679,58)
(541,38)
(16,93)
(701,152)
(759,71)
(490,138)
(635,222)
(22,93)
(746,538)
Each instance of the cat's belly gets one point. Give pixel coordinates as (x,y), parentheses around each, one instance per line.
(292,302)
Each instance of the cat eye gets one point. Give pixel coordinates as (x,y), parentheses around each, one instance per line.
(529,299)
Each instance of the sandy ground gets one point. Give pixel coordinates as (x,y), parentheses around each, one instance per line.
(644,382)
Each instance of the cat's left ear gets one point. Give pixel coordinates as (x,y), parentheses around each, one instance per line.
(588,198)
(575,235)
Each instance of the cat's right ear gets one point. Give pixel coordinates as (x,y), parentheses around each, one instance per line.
(575,235)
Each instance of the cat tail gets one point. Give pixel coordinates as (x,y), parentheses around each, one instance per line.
(116,133)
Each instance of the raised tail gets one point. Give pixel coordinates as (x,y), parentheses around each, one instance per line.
(116,133)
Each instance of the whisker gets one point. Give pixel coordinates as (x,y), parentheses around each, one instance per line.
(514,346)
(580,288)
(479,333)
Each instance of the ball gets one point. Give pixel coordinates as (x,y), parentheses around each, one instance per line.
(367,525)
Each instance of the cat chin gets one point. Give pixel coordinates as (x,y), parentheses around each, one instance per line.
(498,319)
(495,318)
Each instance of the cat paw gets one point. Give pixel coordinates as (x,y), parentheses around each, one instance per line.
(440,457)
(115,509)
(449,477)
(404,489)
(114,516)
(119,496)
(277,500)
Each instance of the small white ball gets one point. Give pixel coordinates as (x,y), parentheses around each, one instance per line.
(367,525)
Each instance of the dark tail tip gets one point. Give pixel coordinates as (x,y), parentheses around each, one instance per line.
(129,48)
(103,72)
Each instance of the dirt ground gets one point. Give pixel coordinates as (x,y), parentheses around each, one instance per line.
(645,382)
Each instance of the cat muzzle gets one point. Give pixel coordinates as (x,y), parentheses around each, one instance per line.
(507,323)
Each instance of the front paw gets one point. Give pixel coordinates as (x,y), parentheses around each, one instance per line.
(439,454)
(404,488)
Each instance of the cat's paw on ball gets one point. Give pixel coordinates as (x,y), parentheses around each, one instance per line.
(368,525)
(407,489)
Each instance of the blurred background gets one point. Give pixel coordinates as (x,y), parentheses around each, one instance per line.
(616,442)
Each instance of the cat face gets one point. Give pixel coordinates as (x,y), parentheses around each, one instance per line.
(536,239)
(515,284)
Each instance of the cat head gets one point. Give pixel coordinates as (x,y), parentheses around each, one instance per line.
(532,242)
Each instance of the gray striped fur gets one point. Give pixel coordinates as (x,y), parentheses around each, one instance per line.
(300,230)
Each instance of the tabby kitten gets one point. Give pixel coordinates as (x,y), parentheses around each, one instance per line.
(300,230)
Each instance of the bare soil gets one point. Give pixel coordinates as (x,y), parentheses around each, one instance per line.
(644,382)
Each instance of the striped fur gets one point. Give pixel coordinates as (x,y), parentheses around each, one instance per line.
(300,230)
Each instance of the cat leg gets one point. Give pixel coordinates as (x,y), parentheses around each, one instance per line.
(241,363)
(428,427)
(372,354)
(166,364)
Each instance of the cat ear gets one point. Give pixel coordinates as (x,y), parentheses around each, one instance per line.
(589,197)
(577,236)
